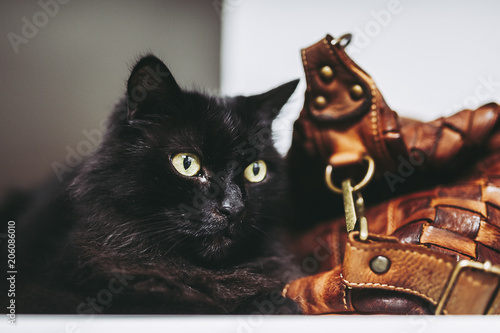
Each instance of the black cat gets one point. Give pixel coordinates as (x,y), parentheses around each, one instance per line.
(176,211)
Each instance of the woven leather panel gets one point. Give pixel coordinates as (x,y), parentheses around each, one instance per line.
(461,220)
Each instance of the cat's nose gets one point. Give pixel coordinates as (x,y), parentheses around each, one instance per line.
(233,210)
(232,204)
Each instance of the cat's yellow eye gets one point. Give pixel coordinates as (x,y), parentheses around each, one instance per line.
(186,164)
(256,171)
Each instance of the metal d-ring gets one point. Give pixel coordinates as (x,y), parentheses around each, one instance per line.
(369,174)
(343,40)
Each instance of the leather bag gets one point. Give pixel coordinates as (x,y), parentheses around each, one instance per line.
(429,241)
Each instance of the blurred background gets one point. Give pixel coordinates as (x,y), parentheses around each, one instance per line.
(70,72)
(64,64)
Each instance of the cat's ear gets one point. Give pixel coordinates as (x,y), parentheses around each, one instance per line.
(271,102)
(149,83)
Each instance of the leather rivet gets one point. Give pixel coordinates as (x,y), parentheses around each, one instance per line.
(380,264)
(320,102)
(326,73)
(356,92)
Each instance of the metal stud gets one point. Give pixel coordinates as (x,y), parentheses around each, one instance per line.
(320,102)
(326,73)
(356,92)
(380,264)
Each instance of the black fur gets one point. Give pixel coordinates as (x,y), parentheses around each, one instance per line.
(129,234)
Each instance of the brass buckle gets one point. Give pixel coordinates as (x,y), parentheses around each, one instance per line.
(354,209)
(486,267)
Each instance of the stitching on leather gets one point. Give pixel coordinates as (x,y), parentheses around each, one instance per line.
(430,299)
(325,41)
(345,295)
(384,285)
(374,113)
(470,279)
(373,108)
(404,251)
(375,121)
(306,67)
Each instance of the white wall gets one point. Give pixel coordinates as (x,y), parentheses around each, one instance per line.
(428,58)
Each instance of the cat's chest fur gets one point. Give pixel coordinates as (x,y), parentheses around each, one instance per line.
(174,288)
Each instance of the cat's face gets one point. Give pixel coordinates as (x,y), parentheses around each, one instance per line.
(196,175)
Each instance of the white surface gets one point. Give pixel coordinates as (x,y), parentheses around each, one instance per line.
(252,324)
(428,58)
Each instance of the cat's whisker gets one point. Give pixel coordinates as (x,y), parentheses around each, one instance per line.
(259,229)
(175,244)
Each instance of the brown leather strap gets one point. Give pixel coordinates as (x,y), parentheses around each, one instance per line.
(340,95)
(413,270)
(418,271)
